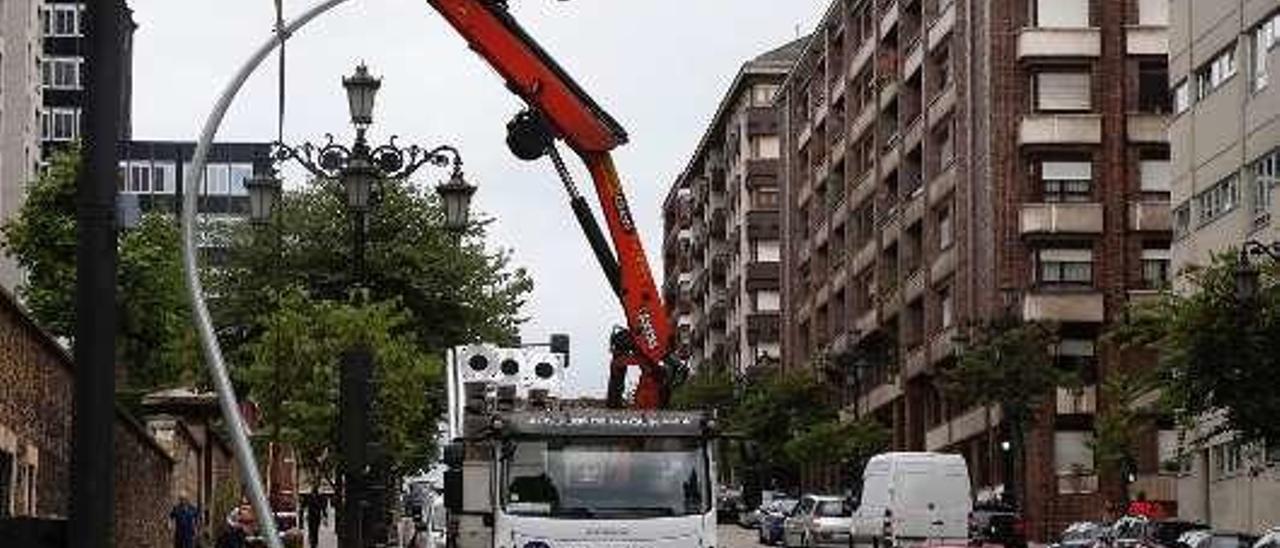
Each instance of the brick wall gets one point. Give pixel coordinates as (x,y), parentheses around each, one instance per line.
(36,384)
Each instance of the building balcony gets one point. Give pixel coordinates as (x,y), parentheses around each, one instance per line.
(880,396)
(867,322)
(1147,128)
(913,209)
(761,121)
(913,288)
(942,104)
(865,256)
(1082,401)
(942,347)
(1157,486)
(1143,296)
(942,26)
(763,276)
(862,56)
(806,133)
(1060,218)
(890,18)
(914,60)
(864,120)
(764,225)
(762,173)
(1041,43)
(1150,216)
(974,422)
(1064,307)
(764,327)
(943,265)
(914,133)
(1146,40)
(916,363)
(1060,129)
(889,92)
(941,185)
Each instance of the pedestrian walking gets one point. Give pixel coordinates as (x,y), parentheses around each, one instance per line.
(184,516)
(317,511)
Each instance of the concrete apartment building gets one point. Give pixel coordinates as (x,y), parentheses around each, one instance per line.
(62,72)
(949,161)
(1224,68)
(721,228)
(20,52)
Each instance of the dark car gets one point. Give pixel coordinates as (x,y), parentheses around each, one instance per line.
(1138,532)
(1216,539)
(998,524)
(1084,534)
(772,517)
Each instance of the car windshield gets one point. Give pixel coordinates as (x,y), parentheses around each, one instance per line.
(606,478)
(786,506)
(832,509)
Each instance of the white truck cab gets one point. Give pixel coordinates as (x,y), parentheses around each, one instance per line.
(912,499)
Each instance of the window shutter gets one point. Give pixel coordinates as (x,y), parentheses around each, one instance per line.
(1155,175)
(1063,91)
(1153,12)
(1066,255)
(1156,255)
(1062,13)
(1066,171)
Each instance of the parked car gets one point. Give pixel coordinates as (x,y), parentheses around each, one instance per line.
(818,520)
(1084,534)
(1215,539)
(1140,532)
(996,523)
(771,520)
(1269,540)
(914,499)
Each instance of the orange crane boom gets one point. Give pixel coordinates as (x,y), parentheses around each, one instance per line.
(559,108)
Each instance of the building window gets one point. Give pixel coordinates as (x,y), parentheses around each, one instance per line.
(1219,200)
(1155,268)
(1066,181)
(1153,13)
(1063,92)
(764,198)
(1265,173)
(1182,221)
(1153,87)
(946,228)
(765,147)
(61,72)
(1181,97)
(62,21)
(1211,76)
(768,301)
(762,95)
(1265,37)
(60,124)
(1154,176)
(946,307)
(1064,267)
(1060,13)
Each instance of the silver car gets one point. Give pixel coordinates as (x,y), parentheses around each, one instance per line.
(818,521)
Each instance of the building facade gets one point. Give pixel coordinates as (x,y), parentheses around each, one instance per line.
(722,237)
(20,100)
(62,73)
(1224,68)
(953,161)
(152,177)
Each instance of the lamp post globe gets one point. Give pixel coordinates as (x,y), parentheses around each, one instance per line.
(456,196)
(264,193)
(362,89)
(357,179)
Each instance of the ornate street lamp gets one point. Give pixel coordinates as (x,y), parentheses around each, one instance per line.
(362,89)
(456,196)
(1247,273)
(264,194)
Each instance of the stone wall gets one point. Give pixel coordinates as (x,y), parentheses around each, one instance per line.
(142,497)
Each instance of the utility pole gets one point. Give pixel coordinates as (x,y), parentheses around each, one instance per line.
(93,415)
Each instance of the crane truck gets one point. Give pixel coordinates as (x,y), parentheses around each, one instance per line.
(525,469)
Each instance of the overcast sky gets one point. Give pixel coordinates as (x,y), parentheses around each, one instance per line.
(659,66)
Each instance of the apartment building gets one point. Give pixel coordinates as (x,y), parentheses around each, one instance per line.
(721,228)
(950,161)
(1224,68)
(63,24)
(20,47)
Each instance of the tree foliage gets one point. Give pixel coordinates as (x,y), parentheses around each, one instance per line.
(296,362)
(838,442)
(155,339)
(1215,352)
(1008,364)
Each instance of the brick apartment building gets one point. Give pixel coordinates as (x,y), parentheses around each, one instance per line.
(721,227)
(949,161)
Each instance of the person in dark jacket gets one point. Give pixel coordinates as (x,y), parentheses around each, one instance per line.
(317,510)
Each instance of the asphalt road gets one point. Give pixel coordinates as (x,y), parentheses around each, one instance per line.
(732,536)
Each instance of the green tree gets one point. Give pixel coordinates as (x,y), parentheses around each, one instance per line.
(1215,352)
(455,289)
(846,443)
(1009,365)
(708,390)
(774,407)
(1117,425)
(155,340)
(296,361)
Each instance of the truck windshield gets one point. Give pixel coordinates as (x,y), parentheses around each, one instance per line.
(606,478)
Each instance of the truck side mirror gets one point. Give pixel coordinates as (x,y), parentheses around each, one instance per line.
(560,345)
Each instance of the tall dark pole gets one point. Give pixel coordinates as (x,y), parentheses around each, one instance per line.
(355,396)
(93,407)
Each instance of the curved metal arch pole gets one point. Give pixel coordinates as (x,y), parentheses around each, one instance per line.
(190,261)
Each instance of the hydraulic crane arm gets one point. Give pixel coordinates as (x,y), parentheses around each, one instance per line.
(559,105)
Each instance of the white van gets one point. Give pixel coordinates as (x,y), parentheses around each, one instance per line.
(911,499)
